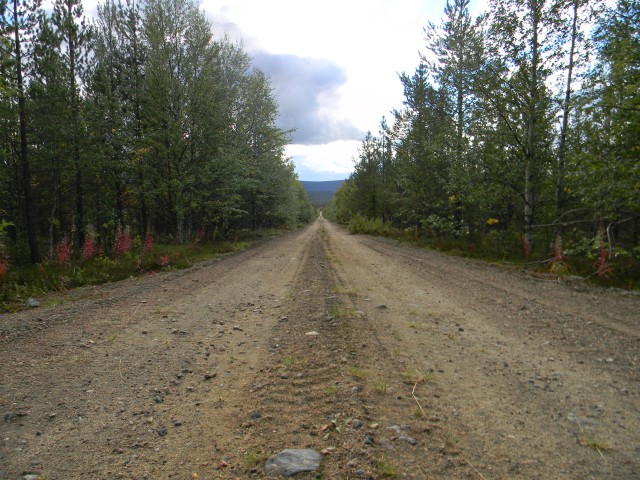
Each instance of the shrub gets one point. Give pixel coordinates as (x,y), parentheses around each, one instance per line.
(122,242)
(374,226)
(63,251)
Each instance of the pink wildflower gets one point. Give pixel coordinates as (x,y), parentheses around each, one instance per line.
(122,243)
(63,251)
(4,267)
(148,244)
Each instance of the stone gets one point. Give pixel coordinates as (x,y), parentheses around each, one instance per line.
(290,462)
(409,440)
(357,424)
(32,303)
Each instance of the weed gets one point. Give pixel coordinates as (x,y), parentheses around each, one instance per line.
(357,372)
(253,459)
(331,390)
(415,325)
(345,290)
(598,445)
(418,413)
(295,360)
(381,387)
(417,376)
(112,338)
(343,313)
(385,469)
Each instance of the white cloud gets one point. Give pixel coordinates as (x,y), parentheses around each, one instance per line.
(331,161)
(368,42)
(360,45)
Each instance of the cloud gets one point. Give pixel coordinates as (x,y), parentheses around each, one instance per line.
(331,161)
(307,90)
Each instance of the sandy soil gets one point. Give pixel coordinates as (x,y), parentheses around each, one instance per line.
(394,362)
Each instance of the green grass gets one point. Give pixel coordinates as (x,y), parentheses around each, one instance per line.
(253,459)
(342,289)
(381,387)
(23,282)
(343,313)
(357,372)
(293,360)
(416,376)
(598,444)
(385,469)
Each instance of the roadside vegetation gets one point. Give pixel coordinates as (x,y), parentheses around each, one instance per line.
(137,127)
(518,141)
(133,257)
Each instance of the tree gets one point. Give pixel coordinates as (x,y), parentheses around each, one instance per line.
(74,34)
(519,34)
(18,20)
(457,46)
(606,172)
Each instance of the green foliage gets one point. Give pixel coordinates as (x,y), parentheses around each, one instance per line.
(141,121)
(373,226)
(491,158)
(51,276)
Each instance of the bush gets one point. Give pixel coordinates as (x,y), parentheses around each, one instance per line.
(372,226)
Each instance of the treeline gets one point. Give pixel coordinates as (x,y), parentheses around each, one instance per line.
(139,120)
(520,133)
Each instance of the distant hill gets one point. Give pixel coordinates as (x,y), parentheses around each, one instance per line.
(321,192)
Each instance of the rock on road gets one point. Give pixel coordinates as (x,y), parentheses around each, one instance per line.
(389,360)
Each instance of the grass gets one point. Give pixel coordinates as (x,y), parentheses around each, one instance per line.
(26,281)
(343,313)
(342,289)
(385,469)
(357,372)
(381,387)
(417,376)
(598,445)
(506,247)
(253,459)
(295,360)
(331,390)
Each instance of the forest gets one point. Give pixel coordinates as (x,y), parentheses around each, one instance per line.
(133,126)
(518,138)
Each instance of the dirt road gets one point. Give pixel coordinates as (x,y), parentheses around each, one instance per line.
(392,361)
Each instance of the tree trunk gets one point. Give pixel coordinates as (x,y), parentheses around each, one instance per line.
(75,125)
(560,179)
(531,154)
(24,152)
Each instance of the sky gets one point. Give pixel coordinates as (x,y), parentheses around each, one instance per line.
(333,66)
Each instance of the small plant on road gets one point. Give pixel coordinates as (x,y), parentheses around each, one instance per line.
(253,459)
(417,376)
(598,445)
(381,387)
(385,469)
(357,372)
(295,360)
